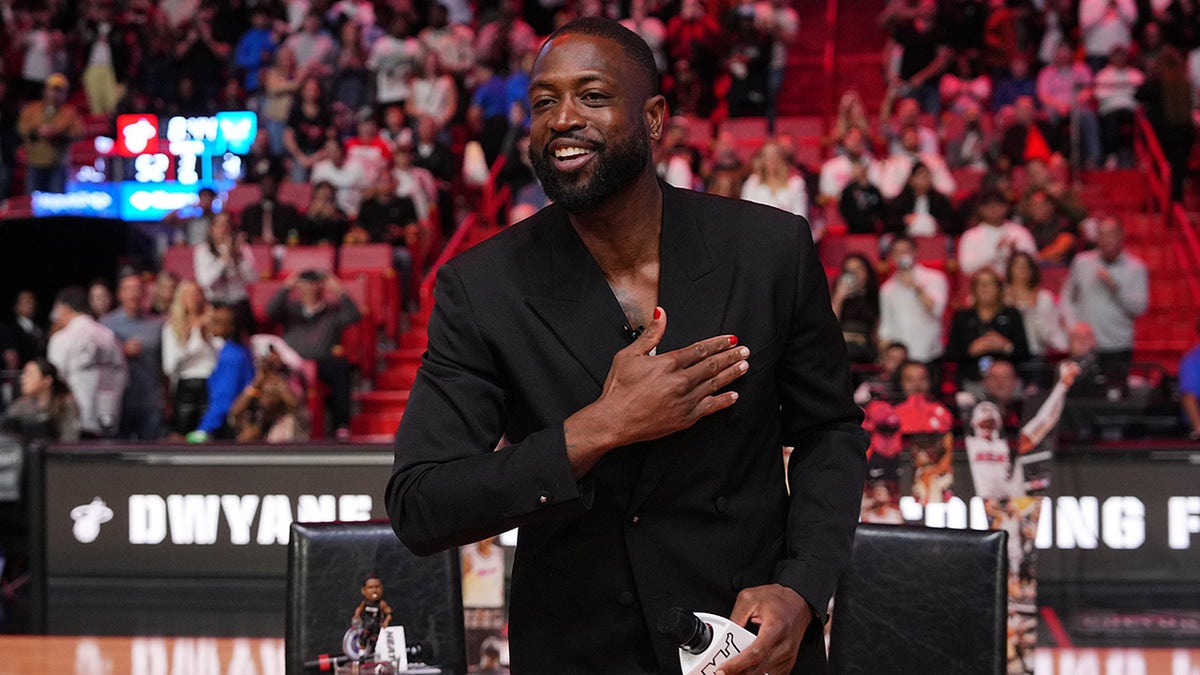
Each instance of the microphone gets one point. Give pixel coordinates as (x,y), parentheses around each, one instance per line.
(326,662)
(704,640)
(632,333)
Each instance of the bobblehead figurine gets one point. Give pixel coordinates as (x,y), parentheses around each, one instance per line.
(372,615)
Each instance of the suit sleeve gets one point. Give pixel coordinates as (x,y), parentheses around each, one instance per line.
(449,486)
(821,421)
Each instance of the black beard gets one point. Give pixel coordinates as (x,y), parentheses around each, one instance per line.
(614,167)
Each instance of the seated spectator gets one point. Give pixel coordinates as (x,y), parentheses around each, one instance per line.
(47,126)
(965,86)
(268,220)
(1064,90)
(861,204)
(856,304)
(1045,328)
(1016,84)
(351,86)
(225,267)
(911,303)
(1105,24)
(1116,97)
(1053,233)
(985,331)
(314,49)
(992,242)
(451,40)
(1093,381)
(90,359)
(191,222)
(189,354)
(920,210)
(313,327)
(418,184)
(725,182)
(1189,390)
(487,117)
(348,179)
(837,171)
(271,408)
(22,338)
(45,410)
(1107,289)
(894,171)
(233,372)
(434,93)
(324,221)
(850,113)
(908,114)
(677,161)
(100,298)
(723,156)
(281,82)
(970,146)
(368,150)
(1026,138)
(884,384)
(141,337)
(392,59)
(774,183)
(433,155)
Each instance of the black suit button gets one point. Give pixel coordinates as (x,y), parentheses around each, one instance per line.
(635,520)
(625,598)
(722,504)
(737,582)
(544,498)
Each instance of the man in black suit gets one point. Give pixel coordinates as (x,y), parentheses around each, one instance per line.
(647,352)
(22,339)
(269,220)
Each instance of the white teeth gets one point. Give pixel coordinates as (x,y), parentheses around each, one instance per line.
(565,153)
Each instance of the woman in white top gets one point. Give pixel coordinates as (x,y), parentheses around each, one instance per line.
(434,93)
(189,354)
(1045,329)
(224,264)
(774,183)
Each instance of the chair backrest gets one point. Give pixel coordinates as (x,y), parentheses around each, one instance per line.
(180,261)
(327,563)
(921,600)
(364,258)
(301,258)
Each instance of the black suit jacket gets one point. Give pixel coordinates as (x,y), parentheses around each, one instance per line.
(523,334)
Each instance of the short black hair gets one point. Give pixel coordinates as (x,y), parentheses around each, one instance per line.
(74,297)
(632,44)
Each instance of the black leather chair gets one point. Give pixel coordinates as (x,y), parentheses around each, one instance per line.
(327,563)
(920,600)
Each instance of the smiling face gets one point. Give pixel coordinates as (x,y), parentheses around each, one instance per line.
(373,590)
(592,120)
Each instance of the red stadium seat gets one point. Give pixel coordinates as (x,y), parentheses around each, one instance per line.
(298,195)
(360,344)
(300,258)
(932,248)
(240,197)
(261,293)
(180,261)
(264,260)
(374,262)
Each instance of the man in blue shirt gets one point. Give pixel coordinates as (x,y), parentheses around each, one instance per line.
(1189,390)
(256,48)
(141,339)
(233,373)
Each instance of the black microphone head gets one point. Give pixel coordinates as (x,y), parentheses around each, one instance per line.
(419,650)
(685,629)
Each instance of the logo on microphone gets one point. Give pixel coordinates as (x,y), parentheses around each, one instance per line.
(88,519)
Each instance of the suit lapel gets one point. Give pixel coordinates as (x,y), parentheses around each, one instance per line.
(693,288)
(580,307)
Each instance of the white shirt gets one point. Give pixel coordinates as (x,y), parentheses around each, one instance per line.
(348,179)
(892,174)
(191,360)
(1116,88)
(220,281)
(1104,28)
(392,60)
(903,317)
(91,360)
(483,584)
(418,185)
(1044,325)
(835,174)
(995,476)
(991,246)
(792,198)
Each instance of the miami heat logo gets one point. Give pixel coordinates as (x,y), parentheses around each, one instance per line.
(88,519)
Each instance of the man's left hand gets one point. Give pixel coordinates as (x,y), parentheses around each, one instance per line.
(782,617)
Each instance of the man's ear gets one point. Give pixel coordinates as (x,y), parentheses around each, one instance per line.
(655,111)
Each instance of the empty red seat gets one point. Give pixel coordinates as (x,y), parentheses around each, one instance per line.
(301,258)
(374,263)
(180,261)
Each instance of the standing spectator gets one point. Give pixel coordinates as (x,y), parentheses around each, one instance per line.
(201,55)
(141,338)
(393,58)
(1189,390)
(1017,81)
(1064,90)
(693,36)
(965,86)
(90,359)
(856,305)
(47,126)
(256,48)
(775,183)
(100,298)
(1105,24)
(985,331)
(654,32)
(189,354)
(314,49)
(9,139)
(268,220)
(992,242)
(307,129)
(102,63)
(347,179)
(434,92)
(911,304)
(351,86)
(781,24)
(313,327)
(280,84)
(1107,289)
(452,42)
(1116,96)
(1167,95)
(233,372)
(1045,329)
(970,145)
(162,293)
(22,338)
(225,267)
(1053,233)
(747,58)
(45,409)
(924,58)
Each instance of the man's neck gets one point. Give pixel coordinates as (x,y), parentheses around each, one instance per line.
(623,233)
